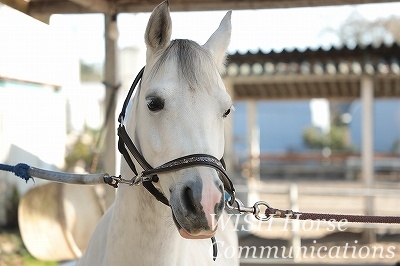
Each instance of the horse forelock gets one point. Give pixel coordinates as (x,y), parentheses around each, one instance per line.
(194,63)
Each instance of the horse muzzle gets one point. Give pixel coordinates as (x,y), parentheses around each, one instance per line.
(196,206)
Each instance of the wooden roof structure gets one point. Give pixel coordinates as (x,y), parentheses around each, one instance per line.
(43,8)
(333,73)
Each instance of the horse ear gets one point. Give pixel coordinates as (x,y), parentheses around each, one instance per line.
(219,41)
(158,30)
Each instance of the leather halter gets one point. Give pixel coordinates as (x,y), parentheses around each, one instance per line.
(149,175)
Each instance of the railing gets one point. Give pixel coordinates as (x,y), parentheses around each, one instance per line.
(339,164)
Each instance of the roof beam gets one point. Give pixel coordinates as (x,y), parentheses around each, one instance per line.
(55,7)
(101,6)
(24,7)
(201,5)
(49,7)
(19,5)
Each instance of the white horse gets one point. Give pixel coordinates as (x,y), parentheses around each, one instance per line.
(179,109)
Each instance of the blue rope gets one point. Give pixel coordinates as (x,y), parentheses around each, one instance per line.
(20,170)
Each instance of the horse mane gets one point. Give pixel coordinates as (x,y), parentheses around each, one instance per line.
(192,62)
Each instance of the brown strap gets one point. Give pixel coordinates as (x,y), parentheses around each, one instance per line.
(125,140)
(196,160)
(277,213)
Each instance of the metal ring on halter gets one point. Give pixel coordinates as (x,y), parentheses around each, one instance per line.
(136,180)
(255,209)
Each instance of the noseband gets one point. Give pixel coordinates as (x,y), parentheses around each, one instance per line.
(149,174)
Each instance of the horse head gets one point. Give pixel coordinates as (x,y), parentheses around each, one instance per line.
(179,110)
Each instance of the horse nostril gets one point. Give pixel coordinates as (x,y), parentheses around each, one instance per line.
(189,200)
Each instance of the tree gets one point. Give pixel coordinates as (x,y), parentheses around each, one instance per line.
(357,30)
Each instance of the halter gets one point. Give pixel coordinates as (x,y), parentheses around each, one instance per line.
(149,174)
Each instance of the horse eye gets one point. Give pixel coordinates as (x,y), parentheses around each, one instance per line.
(227,112)
(155,103)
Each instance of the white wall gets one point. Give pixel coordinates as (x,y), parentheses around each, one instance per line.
(32,115)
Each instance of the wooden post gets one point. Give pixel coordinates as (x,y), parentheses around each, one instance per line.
(254,153)
(295,237)
(367,156)
(111,77)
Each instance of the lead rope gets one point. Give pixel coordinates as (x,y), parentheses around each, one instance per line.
(331,217)
(289,214)
(27,172)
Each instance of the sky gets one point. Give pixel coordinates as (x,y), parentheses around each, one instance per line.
(251,29)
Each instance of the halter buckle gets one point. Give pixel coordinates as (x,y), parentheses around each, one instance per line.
(137,180)
(240,206)
(115,180)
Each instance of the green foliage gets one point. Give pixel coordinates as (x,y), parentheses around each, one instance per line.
(29,260)
(396,146)
(11,208)
(90,72)
(336,139)
(80,152)
(13,251)
(83,150)
(314,139)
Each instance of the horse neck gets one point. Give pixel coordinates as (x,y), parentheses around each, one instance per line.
(141,224)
